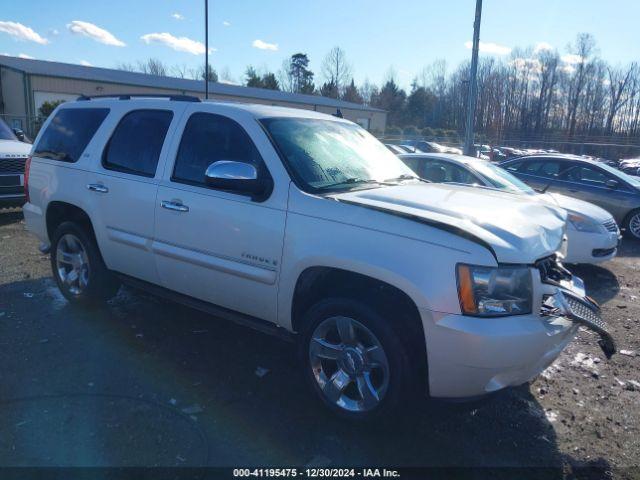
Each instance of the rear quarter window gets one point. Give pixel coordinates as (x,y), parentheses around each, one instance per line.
(69,132)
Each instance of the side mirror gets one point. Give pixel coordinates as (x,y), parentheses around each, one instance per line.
(611,183)
(238,177)
(19,133)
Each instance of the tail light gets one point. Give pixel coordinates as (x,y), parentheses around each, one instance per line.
(27,167)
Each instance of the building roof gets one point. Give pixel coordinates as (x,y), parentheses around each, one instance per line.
(108,75)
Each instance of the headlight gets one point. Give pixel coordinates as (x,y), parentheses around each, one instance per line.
(583,224)
(494,291)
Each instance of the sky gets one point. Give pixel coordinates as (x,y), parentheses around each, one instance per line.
(379,37)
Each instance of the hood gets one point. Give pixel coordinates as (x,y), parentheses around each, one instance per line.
(515,228)
(13,148)
(597,214)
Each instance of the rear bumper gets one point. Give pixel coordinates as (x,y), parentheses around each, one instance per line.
(470,357)
(36,223)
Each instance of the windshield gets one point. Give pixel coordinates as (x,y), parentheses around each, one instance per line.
(5,132)
(500,178)
(621,175)
(326,154)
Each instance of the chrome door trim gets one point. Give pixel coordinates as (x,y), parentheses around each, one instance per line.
(175,206)
(215,262)
(96,187)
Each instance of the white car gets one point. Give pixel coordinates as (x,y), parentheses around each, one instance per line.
(13,157)
(304,225)
(592,232)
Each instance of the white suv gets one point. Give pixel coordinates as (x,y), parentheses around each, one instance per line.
(304,225)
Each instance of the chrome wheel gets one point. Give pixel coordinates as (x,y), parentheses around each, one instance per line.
(349,364)
(72,264)
(634,225)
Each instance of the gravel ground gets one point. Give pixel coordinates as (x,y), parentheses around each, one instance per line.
(143,381)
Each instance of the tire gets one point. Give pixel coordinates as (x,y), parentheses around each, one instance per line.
(342,392)
(74,249)
(632,224)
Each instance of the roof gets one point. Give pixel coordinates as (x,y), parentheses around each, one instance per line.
(108,75)
(455,157)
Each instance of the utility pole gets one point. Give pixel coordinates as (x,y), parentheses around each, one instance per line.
(206,49)
(471,101)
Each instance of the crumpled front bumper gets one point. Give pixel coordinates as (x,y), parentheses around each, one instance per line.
(471,357)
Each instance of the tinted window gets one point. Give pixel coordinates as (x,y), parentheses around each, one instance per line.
(550,169)
(69,132)
(440,172)
(414,164)
(530,168)
(137,141)
(587,176)
(5,132)
(208,138)
(514,166)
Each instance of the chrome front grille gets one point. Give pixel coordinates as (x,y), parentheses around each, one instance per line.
(611,225)
(12,165)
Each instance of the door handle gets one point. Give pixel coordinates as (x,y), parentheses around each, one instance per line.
(175,206)
(96,187)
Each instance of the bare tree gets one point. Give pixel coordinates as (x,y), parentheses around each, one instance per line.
(336,69)
(152,66)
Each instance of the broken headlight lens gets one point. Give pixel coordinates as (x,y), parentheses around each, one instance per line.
(494,291)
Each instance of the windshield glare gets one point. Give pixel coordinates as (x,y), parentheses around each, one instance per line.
(501,179)
(5,132)
(321,154)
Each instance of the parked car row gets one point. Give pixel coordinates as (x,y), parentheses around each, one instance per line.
(592,232)
(305,226)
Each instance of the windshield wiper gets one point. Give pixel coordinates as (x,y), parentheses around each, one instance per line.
(406,176)
(351,181)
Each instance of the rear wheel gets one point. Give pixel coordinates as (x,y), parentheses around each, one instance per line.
(632,225)
(77,266)
(354,361)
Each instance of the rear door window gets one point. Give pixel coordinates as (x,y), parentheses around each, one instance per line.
(137,141)
(69,133)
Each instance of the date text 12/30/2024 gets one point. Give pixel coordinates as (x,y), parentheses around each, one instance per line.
(316,473)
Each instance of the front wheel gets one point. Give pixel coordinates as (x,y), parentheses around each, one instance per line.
(632,225)
(354,361)
(78,268)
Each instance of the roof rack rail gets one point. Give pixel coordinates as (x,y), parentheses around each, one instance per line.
(129,96)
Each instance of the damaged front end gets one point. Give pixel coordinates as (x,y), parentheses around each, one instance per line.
(568,299)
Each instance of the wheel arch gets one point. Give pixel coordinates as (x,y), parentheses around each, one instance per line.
(58,212)
(318,282)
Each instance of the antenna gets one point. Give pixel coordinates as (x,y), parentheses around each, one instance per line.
(206,49)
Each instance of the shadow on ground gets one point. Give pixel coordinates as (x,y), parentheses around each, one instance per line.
(143,381)
(600,282)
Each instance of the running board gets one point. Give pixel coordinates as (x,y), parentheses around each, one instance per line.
(242,319)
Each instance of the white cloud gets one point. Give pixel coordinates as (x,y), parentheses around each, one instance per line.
(569,69)
(490,48)
(85,63)
(96,33)
(24,55)
(22,32)
(180,44)
(226,23)
(542,46)
(259,44)
(571,59)
(177,16)
(531,65)
(54,31)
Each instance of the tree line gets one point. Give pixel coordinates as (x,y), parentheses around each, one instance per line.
(536,93)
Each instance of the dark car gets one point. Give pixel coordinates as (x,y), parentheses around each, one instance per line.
(595,182)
